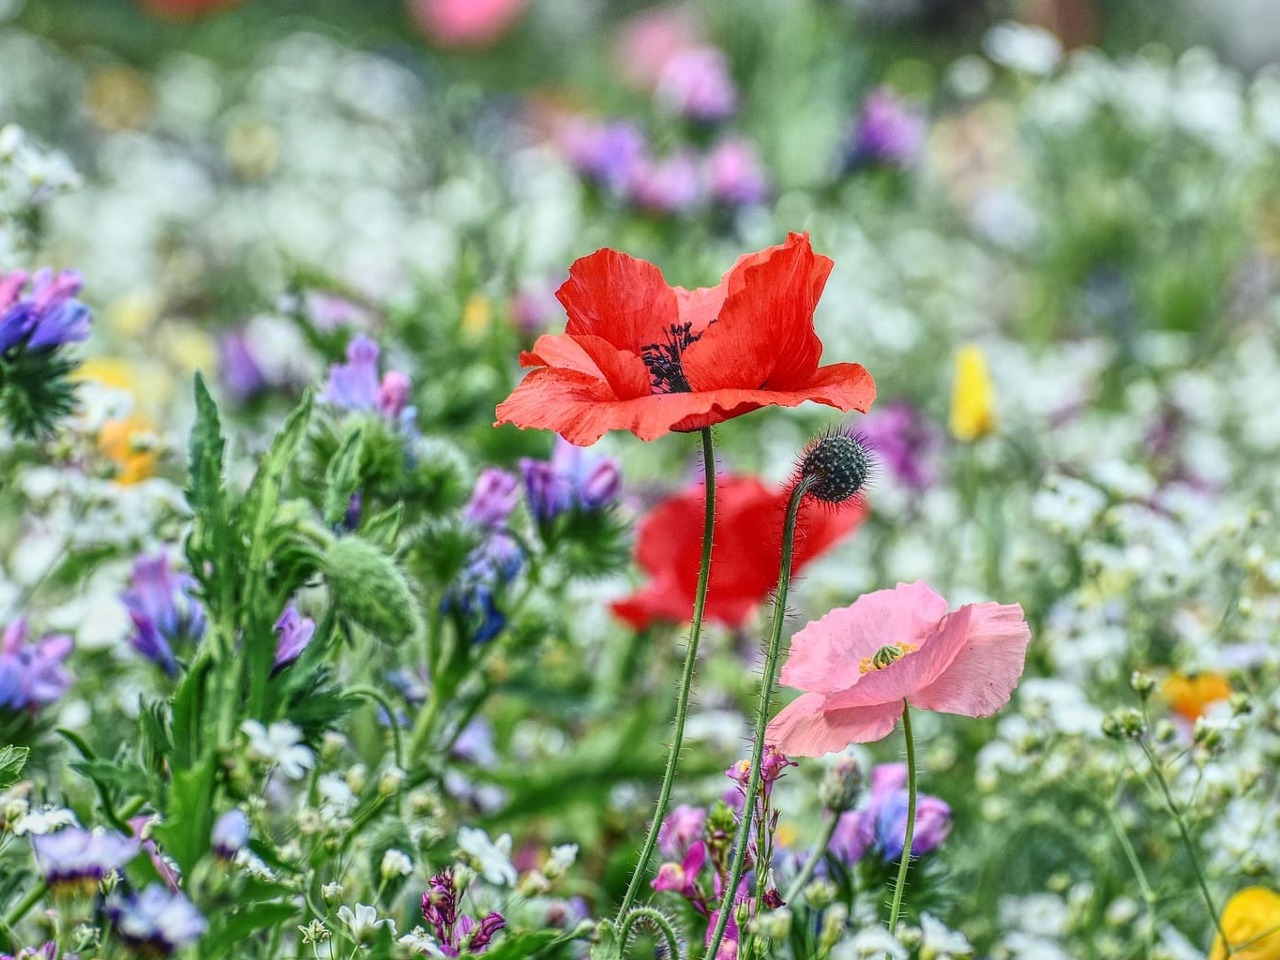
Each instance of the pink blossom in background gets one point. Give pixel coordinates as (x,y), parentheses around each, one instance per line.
(670,185)
(466,23)
(859,664)
(697,84)
(646,41)
(735,176)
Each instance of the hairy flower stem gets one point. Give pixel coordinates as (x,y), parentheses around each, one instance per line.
(1190,847)
(686,680)
(738,863)
(895,908)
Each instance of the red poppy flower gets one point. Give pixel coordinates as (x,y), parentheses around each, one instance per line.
(640,355)
(745,553)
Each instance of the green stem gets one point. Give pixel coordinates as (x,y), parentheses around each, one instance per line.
(799,883)
(896,907)
(1148,894)
(371,693)
(657,921)
(686,678)
(738,863)
(25,904)
(1186,842)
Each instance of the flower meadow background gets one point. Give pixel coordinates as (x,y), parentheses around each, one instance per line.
(302,656)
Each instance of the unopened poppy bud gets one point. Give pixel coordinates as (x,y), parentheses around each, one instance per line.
(835,468)
(842,785)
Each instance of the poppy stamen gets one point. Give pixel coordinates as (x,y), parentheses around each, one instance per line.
(663,359)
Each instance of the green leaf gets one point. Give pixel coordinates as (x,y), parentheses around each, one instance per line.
(229,930)
(188,817)
(187,730)
(264,492)
(343,476)
(12,760)
(205,492)
(127,778)
(522,945)
(383,528)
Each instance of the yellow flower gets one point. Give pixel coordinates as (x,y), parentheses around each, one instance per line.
(119,98)
(125,441)
(973,396)
(476,314)
(1191,695)
(1251,921)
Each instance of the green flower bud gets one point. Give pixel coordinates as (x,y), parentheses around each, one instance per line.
(369,588)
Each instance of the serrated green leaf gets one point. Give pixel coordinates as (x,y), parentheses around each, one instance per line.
(342,478)
(188,815)
(264,492)
(205,491)
(12,760)
(522,945)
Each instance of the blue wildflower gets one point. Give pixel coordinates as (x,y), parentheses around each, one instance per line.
(163,610)
(48,316)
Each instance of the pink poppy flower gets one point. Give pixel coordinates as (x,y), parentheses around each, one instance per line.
(466,23)
(858,666)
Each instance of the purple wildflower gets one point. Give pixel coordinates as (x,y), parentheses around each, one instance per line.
(882,824)
(889,133)
(696,83)
(772,767)
(735,176)
(904,441)
(354,385)
(47,952)
(490,566)
(682,878)
(163,610)
(605,154)
(156,921)
(230,834)
(494,496)
(671,185)
(48,316)
(242,377)
(534,307)
(571,479)
(294,632)
(32,675)
(77,859)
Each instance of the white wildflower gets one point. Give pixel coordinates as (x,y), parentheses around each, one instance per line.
(491,858)
(280,746)
(395,863)
(364,922)
(940,942)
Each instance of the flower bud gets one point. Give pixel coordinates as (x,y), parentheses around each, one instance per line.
(821,893)
(357,778)
(390,781)
(834,920)
(1142,683)
(841,785)
(835,468)
(332,893)
(772,924)
(370,589)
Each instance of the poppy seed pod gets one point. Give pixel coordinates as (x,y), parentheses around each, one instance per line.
(835,468)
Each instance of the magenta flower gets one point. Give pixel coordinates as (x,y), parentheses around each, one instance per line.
(682,878)
(456,933)
(572,479)
(696,83)
(905,441)
(668,186)
(859,665)
(772,768)
(682,827)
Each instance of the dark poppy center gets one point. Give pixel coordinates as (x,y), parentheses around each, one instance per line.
(663,359)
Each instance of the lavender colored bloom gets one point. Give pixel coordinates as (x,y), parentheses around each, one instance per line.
(328,312)
(772,768)
(294,632)
(230,834)
(682,827)
(475,744)
(49,316)
(494,496)
(882,824)
(571,479)
(696,83)
(156,920)
(354,385)
(668,186)
(890,132)
(242,377)
(605,154)
(904,441)
(735,176)
(77,858)
(32,675)
(163,610)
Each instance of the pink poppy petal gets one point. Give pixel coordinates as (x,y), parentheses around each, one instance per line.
(826,655)
(805,729)
(981,678)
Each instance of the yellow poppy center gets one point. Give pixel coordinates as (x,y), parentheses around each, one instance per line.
(889,653)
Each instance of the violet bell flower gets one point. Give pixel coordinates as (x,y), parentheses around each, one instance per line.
(77,859)
(573,479)
(163,609)
(354,385)
(157,922)
(294,633)
(32,675)
(48,316)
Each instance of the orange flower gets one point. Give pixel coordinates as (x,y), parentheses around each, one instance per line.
(1251,920)
(643,356)
(1190,695)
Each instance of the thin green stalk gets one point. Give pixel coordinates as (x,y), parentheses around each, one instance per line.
(375,695)
(806,872)
(896,907)
(1148,894)
(1191,849)
(738,863)
(25,904)
(686,679)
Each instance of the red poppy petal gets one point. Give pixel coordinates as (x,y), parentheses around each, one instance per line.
(764,333)
(700,307)
(624,300)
